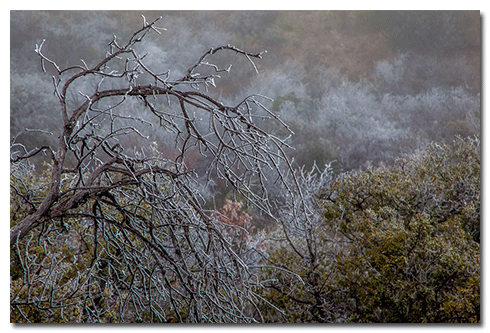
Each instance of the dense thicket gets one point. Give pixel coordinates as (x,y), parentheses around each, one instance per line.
(396,244)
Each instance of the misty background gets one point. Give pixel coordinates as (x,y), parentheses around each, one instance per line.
(356,87)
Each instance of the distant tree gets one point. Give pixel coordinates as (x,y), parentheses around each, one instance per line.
(110,234)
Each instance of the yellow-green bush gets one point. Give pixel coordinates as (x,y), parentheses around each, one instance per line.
(407,244)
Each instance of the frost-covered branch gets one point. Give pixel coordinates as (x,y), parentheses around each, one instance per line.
(137,241)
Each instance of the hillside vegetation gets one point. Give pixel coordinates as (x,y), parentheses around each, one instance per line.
(245,166)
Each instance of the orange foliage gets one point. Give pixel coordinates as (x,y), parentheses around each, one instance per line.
(230,214)
(239,226)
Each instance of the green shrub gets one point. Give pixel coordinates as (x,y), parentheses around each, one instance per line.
(413,235)
(398,244)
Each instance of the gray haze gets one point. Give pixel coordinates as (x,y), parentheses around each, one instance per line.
(355,87)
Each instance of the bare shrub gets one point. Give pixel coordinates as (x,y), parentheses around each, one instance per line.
(113,234)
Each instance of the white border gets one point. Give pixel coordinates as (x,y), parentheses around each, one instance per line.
(217,5)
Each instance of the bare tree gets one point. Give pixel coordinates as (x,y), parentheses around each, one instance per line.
(109,234)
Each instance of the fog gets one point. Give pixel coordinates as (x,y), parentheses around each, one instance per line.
(356,87)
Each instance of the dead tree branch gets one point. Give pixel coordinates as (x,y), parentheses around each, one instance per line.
(137,243)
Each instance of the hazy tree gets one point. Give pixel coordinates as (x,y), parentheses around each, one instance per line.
(106,233)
